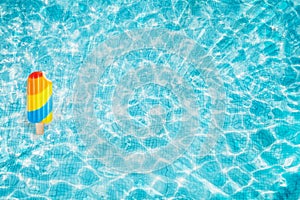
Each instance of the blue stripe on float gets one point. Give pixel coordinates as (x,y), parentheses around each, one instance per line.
(37,116)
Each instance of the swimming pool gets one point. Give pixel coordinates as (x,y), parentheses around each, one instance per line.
(152,100)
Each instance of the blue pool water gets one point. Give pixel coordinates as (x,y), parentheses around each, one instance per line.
(152,99)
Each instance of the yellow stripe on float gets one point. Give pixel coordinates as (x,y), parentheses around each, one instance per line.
(48,118)
(36,101)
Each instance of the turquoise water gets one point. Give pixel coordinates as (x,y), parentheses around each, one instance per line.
(152,100)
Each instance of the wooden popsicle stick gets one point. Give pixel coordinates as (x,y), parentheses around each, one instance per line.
(39,128)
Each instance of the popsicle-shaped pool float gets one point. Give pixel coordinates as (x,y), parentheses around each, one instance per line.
(39,100)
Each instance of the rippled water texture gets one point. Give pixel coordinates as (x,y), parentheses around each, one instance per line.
(152,99)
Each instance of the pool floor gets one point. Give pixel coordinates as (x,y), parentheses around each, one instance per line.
(167,99)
